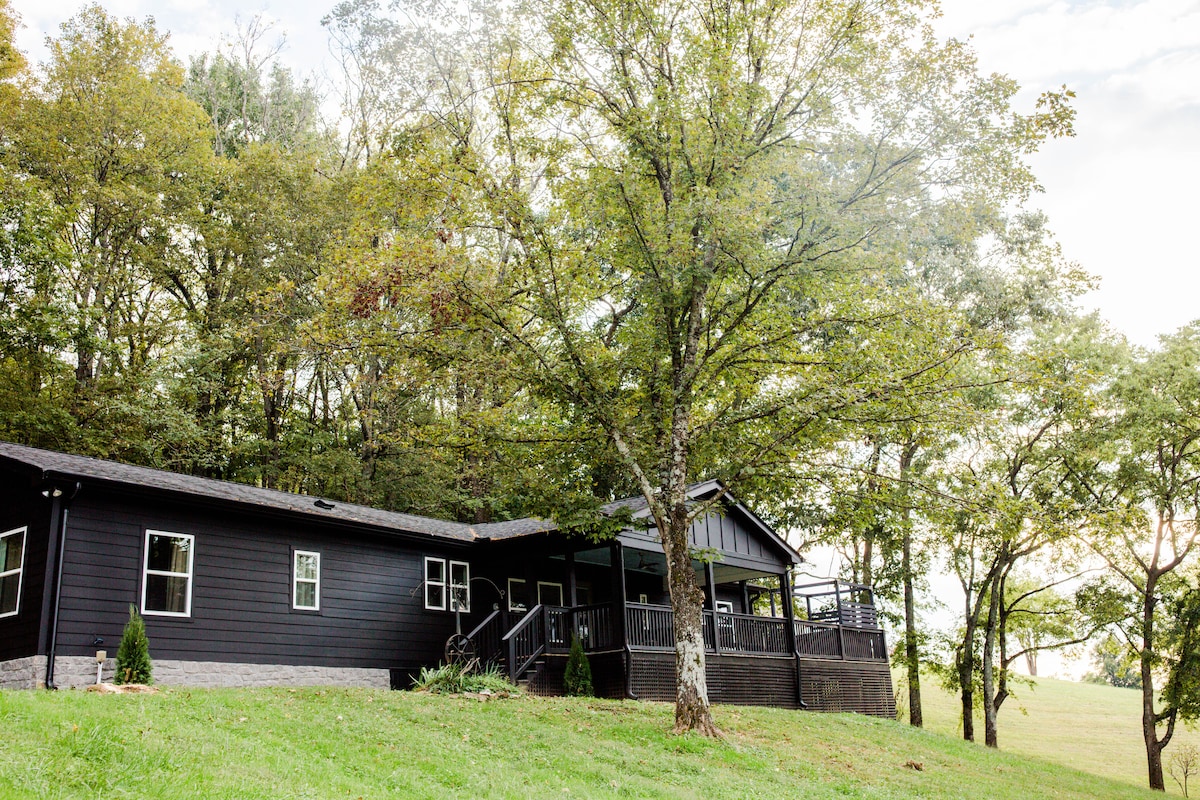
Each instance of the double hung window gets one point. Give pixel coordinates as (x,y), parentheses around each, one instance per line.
(12,565)
(447,585)
(167,574)
(306,580)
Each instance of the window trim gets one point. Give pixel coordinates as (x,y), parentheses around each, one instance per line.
(190,574)
(442,583)
(562,595)
(451,585)
(515,607)
(296,580)
(20,570)
(447,583)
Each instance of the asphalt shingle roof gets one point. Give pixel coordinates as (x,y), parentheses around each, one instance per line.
(54,464)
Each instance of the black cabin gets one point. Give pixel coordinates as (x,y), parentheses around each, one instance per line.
(247,586)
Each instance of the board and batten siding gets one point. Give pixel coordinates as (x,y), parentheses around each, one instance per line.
(24,507)
(372,611)
(739,543)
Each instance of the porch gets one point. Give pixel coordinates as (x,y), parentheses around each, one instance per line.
(751,658)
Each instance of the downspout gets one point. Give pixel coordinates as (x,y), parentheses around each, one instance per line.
(62,504)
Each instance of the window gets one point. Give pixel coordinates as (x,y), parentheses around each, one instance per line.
(435,584)
(550,594)
(306,580)
(460,586)
(12,562)
(725,606)
(516,595)
(447,589)
(167,577)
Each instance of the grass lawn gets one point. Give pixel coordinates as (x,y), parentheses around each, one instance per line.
(309,743)
(1090,727)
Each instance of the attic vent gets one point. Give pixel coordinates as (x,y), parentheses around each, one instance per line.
(321,504)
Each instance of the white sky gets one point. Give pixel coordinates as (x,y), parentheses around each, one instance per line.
(1120,195)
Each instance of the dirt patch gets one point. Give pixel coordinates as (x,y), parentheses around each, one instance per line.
(127,688)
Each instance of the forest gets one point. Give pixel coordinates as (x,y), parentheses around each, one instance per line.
(528,258)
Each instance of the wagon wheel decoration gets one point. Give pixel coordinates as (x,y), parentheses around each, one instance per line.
(459,649)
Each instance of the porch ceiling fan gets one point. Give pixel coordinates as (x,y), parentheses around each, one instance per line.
(645,565)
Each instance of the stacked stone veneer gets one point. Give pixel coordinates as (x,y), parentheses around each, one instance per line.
(74,672)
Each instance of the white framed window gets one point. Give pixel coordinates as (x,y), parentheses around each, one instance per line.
(643,598)
(447,585)
(306,580)
(460,586)
(550,594)
(725,606)
(435,584)
(167,574)
(516,595)
(12,566)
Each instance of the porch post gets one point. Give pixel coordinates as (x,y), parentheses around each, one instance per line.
(746,609)
(617,562)
(789,613)
(711,580)
(572,586)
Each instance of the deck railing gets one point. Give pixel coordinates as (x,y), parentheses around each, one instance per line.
(595,626)
(830,640)
(651,627)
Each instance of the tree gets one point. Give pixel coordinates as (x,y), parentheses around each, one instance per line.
(578,676)
(133,654)
(1117,665)
(1139,468)
(691,269)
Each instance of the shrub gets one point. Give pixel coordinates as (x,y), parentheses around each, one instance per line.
(578,677)
(457,678)
(133,656)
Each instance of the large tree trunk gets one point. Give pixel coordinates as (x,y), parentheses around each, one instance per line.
(966,677)
(912,654)
(692,711)
(1154,747)
(990,736)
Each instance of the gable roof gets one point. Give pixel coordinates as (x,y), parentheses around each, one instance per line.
(701,491)
(64,466)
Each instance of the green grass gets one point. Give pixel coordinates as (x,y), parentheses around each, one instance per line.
(281,743)
(1087,726)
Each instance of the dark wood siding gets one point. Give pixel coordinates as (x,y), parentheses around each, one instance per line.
(22,506)
(739,542)
(372,611)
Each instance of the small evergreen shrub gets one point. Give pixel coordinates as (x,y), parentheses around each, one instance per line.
(456,679)
(133,656)
(578,677)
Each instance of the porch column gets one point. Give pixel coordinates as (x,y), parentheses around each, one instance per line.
(746,607)
(711,580)
(616,559)
(572,586)
(789,613)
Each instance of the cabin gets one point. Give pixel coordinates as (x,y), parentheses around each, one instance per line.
(243,586)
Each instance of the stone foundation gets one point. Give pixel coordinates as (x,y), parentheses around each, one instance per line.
(24,673)
(76,672)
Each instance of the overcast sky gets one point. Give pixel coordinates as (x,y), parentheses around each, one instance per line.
(1120,195)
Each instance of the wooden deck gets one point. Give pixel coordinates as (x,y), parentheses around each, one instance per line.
(752,659)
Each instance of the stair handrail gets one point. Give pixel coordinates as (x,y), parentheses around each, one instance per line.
(479,629)
(515,671)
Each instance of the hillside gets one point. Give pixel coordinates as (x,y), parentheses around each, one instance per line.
(1087,726)
(359,743)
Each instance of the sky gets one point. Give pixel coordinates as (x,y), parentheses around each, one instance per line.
(1120,195)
